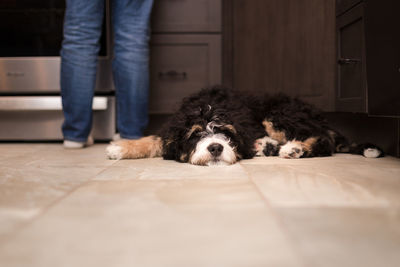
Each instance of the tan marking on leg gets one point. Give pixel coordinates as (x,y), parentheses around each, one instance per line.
(308,144)
(194,128)
(145,147)
(274,134)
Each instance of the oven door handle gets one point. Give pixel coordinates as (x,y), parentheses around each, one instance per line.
(19,103)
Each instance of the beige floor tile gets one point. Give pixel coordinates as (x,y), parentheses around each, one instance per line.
(18,154)
(343,180)
(59,156)
(159,169)
(52,155)
(24,193)
(34,176)
(332,237)
(8,150)
(155,223)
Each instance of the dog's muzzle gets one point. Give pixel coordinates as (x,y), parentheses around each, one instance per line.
(213,150)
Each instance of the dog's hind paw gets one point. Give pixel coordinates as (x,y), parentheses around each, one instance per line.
(114,151)
(291,150)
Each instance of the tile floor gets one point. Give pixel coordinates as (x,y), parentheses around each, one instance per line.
(76,208)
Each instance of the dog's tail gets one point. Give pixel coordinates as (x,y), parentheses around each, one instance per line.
(342,145)
(145,147)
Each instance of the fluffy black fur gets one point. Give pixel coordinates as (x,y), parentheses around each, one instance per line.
(239,117)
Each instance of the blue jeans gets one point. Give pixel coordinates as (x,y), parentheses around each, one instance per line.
(80,48)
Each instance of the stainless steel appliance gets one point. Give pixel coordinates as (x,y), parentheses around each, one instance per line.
(30,102)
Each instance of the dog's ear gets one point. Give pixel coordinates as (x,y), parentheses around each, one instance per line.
(173,140)
(170,149)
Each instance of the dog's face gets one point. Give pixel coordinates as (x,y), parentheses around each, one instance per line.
(211,128)
(213,143)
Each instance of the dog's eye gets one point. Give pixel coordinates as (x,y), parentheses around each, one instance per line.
(225,132)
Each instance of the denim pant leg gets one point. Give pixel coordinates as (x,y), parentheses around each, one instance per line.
(131,64)
(80,47)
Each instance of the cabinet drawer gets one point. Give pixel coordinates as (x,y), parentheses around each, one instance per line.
(186,16)
(182,65)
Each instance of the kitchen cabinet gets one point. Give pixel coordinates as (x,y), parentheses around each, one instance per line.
(368,57)
(185,51)
(281,46)
(351,94)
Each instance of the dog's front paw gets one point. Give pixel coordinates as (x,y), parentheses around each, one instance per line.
(266,146)
(114,151)
(291,150)
(271,150)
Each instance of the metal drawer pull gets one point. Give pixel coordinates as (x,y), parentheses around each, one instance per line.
(172,74)
(15,103)
(344,61)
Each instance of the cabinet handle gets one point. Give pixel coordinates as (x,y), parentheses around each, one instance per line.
(172,74)
(345,61)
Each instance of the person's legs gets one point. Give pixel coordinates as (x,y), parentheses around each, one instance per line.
(131,64)
(80,47)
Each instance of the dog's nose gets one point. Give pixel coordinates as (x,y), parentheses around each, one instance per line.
(215,149)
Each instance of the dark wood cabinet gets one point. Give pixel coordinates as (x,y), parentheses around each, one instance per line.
(282,46)
(188,16)
(368,57)
(185,51)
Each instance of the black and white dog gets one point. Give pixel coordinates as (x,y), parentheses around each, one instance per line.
(219,126)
